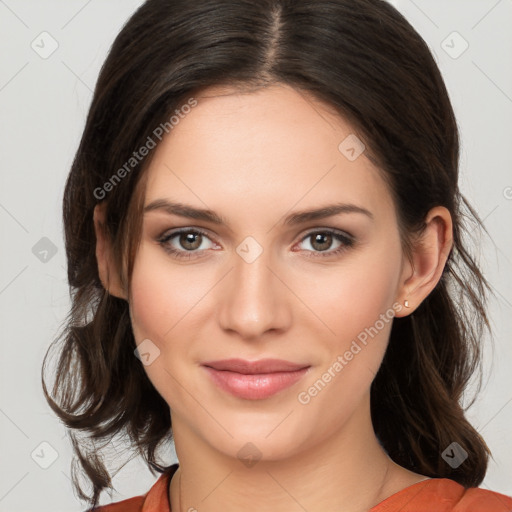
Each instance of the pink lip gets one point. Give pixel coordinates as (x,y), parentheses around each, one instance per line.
(255,380)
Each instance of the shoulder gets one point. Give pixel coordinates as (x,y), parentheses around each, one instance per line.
(476,500)
(134,504)
(444,495)
(156,499)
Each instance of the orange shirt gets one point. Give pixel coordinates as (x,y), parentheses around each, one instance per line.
(433,495)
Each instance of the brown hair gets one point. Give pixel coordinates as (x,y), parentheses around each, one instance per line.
(366,61)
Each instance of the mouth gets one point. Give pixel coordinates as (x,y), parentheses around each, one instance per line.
(254,380)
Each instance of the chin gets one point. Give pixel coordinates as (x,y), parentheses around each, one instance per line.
(267,441)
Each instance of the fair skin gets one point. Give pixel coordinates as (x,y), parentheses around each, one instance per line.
(254,159)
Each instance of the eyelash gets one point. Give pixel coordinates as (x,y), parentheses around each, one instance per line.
(346,240)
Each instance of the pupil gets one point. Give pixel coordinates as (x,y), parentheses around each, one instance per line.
(189,239)
(324,236)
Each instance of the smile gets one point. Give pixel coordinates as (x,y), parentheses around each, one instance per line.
(254,386)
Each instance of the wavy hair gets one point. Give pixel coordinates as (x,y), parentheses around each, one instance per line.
(367,62)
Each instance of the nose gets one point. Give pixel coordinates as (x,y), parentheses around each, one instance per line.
(254,299)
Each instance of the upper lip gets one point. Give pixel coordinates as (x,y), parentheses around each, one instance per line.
(255,367)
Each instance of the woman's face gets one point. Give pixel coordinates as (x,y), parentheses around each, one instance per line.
(265,282)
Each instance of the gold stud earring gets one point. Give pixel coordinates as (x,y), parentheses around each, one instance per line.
(406,303)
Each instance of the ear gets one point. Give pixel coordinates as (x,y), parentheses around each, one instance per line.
(107,270)
(430,253)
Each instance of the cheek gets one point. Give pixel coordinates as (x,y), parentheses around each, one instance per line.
(360,313)
(352,297)
(356,303)
(161,308)
(148,303)
(161,295)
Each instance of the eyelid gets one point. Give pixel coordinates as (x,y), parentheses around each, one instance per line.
(333,231)
(347,240)
(172,232)
(181,254)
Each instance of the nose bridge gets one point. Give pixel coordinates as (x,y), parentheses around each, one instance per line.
(253,300)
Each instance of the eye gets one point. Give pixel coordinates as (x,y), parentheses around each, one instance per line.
(190,240)
(322,240)
(187,243)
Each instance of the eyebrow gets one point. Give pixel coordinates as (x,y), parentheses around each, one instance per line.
(183,210)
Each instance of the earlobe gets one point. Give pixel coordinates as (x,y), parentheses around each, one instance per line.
(430,253)
(108,274)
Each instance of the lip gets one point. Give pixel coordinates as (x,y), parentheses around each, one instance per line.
(254,380)
(254,367)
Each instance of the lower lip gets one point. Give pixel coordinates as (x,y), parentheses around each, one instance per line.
(254,387)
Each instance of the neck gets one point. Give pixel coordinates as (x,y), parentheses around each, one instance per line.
(349,472)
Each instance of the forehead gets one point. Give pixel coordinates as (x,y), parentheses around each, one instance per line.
(271,146)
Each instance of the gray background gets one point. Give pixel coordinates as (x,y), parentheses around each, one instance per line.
(43,103)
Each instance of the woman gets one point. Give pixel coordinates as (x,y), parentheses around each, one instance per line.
(264,238)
